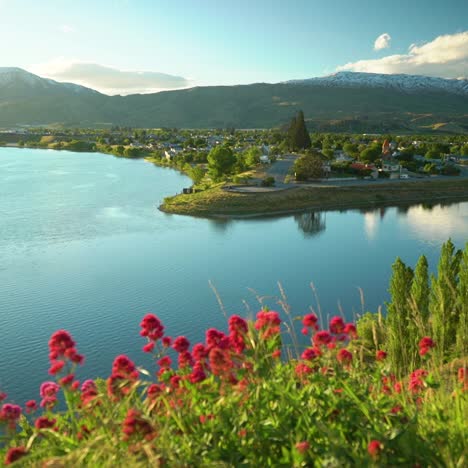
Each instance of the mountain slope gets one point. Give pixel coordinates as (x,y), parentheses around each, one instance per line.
(374,102)
(400,82)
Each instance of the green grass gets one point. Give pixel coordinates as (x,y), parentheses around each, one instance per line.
(217,202)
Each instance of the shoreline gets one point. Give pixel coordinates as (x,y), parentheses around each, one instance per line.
(216,203)
(225,204)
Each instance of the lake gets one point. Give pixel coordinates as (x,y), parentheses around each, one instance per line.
(84,248)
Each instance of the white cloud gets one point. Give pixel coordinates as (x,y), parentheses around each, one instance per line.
(446,56)
(107,79)
(382,42)
(67,29)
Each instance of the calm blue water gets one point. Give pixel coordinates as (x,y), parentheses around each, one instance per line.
(83,247)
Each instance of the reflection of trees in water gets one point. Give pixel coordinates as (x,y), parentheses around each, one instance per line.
(311,224)
(220,224)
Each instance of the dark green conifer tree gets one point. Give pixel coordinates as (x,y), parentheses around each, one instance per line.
(298,136)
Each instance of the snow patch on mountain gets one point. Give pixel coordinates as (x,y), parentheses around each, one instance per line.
(400,82)
(14,76)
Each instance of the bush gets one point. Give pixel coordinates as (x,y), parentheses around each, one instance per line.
(268,182)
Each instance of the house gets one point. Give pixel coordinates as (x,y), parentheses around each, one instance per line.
(390,166)
(265,159)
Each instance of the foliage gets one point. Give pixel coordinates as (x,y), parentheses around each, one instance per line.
(196,173)
(232,401)
(419,309)
(268,182)
(298,136)
(221,161)
(308,166)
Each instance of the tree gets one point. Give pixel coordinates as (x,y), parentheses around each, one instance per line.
(328,153)
(420,290)
(399,345)
(221,161)
(462,306)
(196,173)
(351,149)
(298,136)
(370,154)
(308,166)
(252,156)
(443,299)
(464,150)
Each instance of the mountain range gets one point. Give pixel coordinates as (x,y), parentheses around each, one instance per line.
(344,101)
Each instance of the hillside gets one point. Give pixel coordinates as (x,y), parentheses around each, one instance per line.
(341,102)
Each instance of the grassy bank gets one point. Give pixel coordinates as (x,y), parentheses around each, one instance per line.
(217,202)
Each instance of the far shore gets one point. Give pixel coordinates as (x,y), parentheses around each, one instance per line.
(223,204)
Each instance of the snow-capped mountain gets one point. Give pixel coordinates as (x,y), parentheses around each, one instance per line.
(11,77)
(405,83)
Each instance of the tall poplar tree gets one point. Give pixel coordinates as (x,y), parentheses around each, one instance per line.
(443,300)
(398,338)
(420,290)
(462,306)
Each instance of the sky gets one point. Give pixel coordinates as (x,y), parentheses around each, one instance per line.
(130,46)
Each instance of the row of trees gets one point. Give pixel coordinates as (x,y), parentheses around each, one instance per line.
(428,305)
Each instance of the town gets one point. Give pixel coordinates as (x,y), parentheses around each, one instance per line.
(270,159)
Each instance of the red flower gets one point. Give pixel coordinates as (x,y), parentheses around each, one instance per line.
(165,362)
(461,374)
(310,353)
(59,343)
(148,348)
(396,409)
(151,327)
(89,391)
(397,387)
(198,374)
(350,329)
(374,448)
(31,406)
(344,356)
(56,367)
(276,354)
(237,325)
(154,390)
(199,352)
(337,325)
(268,322)
(185,360)
(322,338)
(134,425)
(10,414)
(303,370)
(43,422)
(166,341)
(3,396)
(181,344)
(426,342)
(67,380)
(380,355)
(220,361)
(303,446)
(310,321)
(124,367)
(416,383)
(14,454)
(216,338)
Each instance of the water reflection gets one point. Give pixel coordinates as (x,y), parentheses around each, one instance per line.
(311,224)
(437,222)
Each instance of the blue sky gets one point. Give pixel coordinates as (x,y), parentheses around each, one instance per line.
(229,42)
